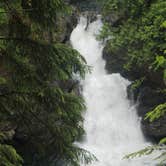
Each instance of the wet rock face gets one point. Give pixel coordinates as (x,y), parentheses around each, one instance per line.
(88,8)
(71,23)
(145,95)
(148,99)
(154,130)
(115,63)
(65,25)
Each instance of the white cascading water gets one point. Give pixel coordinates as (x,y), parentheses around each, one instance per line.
(111,123)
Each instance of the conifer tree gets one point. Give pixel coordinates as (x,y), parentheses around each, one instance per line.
(39,117)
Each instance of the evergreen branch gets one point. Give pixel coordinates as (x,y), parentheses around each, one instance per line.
(21,10)
(25,120)
(9,156)
(17,93)
(7,4)
(149,150)
(14,38)
(158,112)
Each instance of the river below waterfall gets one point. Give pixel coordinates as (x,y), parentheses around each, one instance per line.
(111,123)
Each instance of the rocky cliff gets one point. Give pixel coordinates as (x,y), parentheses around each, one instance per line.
(146,94)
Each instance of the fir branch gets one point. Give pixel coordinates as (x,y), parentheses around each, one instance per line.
(16,93)
(22,10)
(14,38)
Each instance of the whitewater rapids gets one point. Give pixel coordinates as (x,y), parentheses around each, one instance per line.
(111,123)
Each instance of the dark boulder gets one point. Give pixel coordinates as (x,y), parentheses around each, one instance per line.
(155,130)
(148,99)
(146,95)
(115,63)
(71,23)
(65,25)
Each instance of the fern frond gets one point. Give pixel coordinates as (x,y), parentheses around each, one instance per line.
(158,112)
(78,154)
(162,141)
(149,150)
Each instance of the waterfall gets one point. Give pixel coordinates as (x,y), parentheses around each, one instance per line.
(111,123)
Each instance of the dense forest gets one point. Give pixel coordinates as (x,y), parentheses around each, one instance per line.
(41,109)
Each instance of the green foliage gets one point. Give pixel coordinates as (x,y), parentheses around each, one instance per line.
(160,62)
(162,141)
(105,32)
(2,80)
(44,12)
(139,27)
(9,156)
(124,8)
(39,116)
(149,150)
(163,25)
(164,74)
(3,16)
(158,112)
(137,83)
(84,156)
